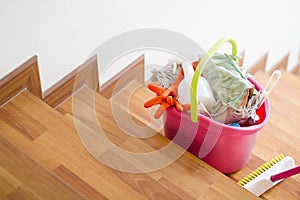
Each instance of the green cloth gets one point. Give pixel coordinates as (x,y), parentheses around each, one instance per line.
(226,80)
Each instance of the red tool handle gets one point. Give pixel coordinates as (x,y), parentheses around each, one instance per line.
(286,174)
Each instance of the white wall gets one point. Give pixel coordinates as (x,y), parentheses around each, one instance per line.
(63,32)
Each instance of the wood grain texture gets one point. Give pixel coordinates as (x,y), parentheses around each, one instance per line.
(133,72)
(88,191)
(34,181)
(26,76)
(195,176)
(295,70)
(274,139)
(59,149)
(51,139)
(32,129)
(260,64)
(85,74)
(22,193)
(291,79)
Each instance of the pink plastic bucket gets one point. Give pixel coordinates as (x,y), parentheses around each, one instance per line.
(233,145)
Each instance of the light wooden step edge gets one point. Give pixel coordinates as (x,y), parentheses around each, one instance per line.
(259,64)
(85,74)
(296,69)
(281,64)
(26,76)
(135,70)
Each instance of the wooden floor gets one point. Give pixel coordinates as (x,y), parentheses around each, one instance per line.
(42,156)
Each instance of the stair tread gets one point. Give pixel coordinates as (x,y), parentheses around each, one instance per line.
(59,149)
(287,78)
(186,178)
(191,178)
(263,150)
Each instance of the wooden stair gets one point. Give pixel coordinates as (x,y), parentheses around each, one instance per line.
(282,64)
(50,138)
(43,157)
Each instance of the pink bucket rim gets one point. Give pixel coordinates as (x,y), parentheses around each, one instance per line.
(244,130)
(205,119)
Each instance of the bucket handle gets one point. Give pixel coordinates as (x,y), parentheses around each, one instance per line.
(199,69)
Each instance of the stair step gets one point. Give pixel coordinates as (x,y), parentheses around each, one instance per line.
(41,146)
(187,165)
(291,79)
(283,89)
(59,149)
(52,140)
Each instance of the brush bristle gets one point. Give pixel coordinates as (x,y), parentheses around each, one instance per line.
(264,167)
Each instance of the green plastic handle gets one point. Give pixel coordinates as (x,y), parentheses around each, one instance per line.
(198,71)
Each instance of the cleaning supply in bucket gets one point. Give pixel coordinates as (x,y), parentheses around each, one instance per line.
(232,90)
(166,98)
(168,74)
(269,87)
(269,174)
(205,94)
(246,114)
(213,140)
(223,91)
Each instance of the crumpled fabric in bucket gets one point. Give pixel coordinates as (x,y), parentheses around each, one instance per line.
(227,81)
(245,115)
(236,96)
